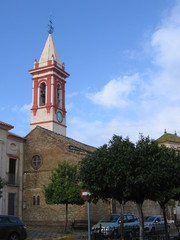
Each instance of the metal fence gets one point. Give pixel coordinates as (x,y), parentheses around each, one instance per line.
(134,235)
(153,237)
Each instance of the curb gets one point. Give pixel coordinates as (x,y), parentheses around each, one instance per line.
(61,238)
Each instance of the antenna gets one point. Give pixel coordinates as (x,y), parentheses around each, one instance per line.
(50,25)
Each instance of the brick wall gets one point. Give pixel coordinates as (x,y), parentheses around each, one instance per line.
(52,148)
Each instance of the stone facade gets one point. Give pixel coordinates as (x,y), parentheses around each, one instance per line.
(149,208)
(52,148)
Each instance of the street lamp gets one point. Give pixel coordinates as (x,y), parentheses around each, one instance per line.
(85,195)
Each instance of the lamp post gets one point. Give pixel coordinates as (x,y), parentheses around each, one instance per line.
(85,195)
(89,230)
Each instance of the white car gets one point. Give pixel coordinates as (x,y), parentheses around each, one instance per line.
(110,224)
(155,224)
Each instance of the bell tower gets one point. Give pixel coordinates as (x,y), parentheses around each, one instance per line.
(48,91)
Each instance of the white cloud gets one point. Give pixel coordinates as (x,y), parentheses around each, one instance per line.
(23,112)
(97,133)
(163,80)
(69,106)
(153,99)
(25,108)
(167,119)
(116,92)
(70,95)
(165,43)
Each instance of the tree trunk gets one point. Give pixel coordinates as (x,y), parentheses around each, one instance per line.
(66,222)
(122,221)
(163,207)
(141,221)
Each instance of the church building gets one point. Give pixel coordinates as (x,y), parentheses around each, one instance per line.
(47,143)
(26,163)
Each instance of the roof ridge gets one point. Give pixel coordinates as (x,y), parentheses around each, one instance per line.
(62,136)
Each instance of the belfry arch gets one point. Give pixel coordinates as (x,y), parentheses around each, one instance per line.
(42,94)
(59,95)
(48,103)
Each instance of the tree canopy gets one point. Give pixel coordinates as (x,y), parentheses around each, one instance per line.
(104,172)
(140,183)
(166,172)
(136,172)
(64,187)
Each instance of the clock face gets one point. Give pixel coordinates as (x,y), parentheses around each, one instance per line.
(59,117)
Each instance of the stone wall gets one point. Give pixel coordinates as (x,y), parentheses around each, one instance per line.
(52,148)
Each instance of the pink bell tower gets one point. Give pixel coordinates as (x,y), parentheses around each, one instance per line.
(48,92)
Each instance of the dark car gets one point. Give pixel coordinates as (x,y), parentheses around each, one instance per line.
(12,228)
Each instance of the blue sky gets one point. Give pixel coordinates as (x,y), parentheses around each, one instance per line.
(123,57)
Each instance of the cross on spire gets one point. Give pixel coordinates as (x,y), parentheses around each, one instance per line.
(51,28)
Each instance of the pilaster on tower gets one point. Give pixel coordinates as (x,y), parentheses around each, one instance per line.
(48,92)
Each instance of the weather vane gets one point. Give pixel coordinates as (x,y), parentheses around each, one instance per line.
(51,29)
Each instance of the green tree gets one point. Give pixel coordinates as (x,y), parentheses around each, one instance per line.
(166,176)
(139,175)
(104,173)
(121,152)
(124,171)
(64,187)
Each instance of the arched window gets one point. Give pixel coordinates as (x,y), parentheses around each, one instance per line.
(42,94)
(34,200)
(38,200)
(59,96)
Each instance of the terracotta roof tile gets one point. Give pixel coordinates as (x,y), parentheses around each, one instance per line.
(5,126)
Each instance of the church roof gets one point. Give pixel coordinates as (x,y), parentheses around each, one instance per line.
(169,137)
(49,52)
(71,144)
(16,137)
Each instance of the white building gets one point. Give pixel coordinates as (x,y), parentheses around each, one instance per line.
(11,170)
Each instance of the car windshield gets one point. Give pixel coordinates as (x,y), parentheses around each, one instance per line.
(15,220)
(110,218)
(150,219)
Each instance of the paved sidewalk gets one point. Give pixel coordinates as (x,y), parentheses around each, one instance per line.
(50,232)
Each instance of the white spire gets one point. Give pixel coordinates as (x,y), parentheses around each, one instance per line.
(49,53)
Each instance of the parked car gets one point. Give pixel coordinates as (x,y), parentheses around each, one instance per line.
(110,224)
(12,228)
(155,224)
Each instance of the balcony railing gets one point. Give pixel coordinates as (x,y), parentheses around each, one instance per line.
(12,179)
